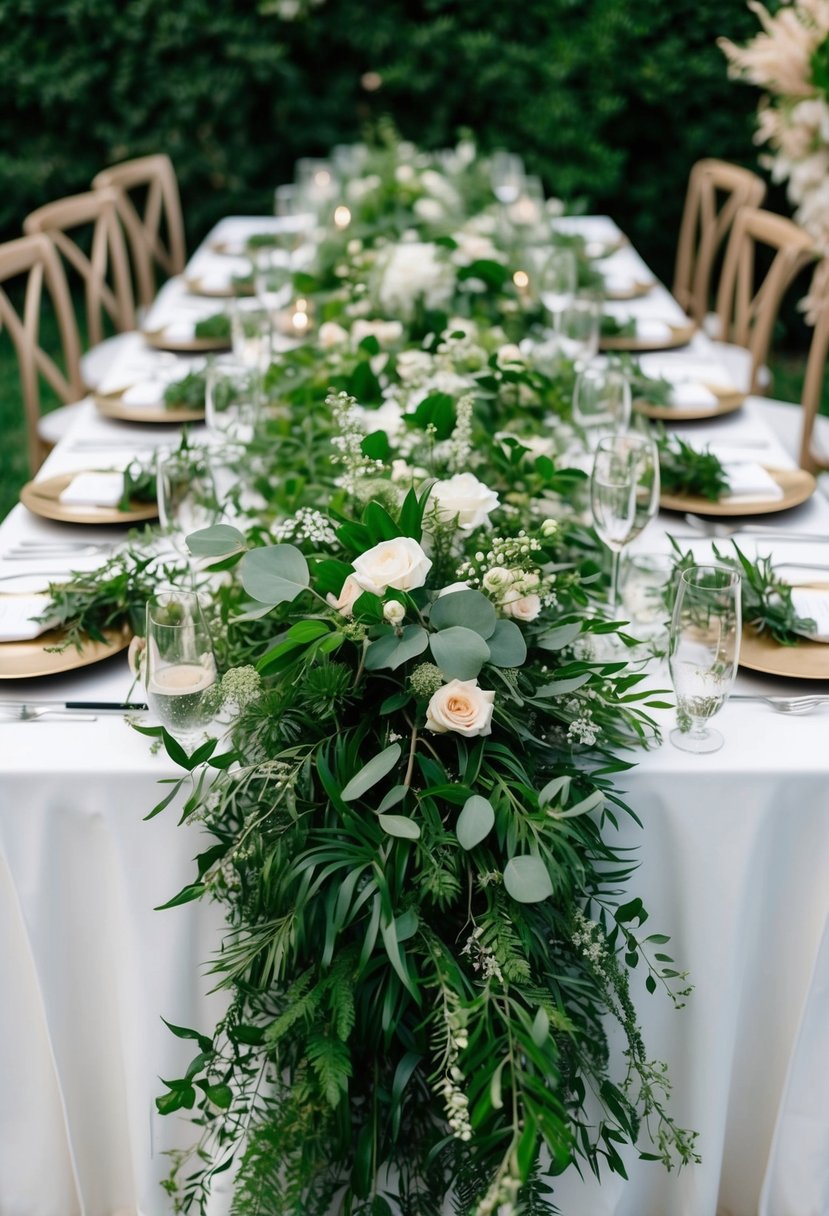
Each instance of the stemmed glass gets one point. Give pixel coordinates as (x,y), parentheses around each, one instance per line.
(624,494)
(232,397)
(557,278)
(179,666)
(506,173)
(577,327)
(703,652)
(601,402)
(187,497)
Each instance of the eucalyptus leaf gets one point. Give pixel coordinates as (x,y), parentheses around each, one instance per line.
(471,609)
(274,574)
(541,1027)
(557,688)
(399,825)
(393,650)
(395,795)
(507,647)
(560,636)
(371,773)
(216,541)
(474,822)
(460,653)
(527,879)
(591,803)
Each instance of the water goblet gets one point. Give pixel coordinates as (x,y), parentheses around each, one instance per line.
(233,395)
(187,497)
(179,668)
(273,279)
(601,402)
(577,327)
(251,331)
(557,278)
(703,652)
(506,172)
(624,494)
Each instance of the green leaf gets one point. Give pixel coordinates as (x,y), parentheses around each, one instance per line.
(380,524)
(186,894)
(376,446)
(184,1032)
(541,1027)
(527,879)
(216,541)
(395,795)
(402,1076)
(405,926)
(561,636)
(437,410)
(371,773)
(588,804)
(219,1095)
(474,822)
(393,650)
(274,574)
(399,825)
(558,785)
(507,647)
(174,750)
(460,653)
(557,688)
(471,609)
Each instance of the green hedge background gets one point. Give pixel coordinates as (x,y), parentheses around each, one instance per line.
(610,101)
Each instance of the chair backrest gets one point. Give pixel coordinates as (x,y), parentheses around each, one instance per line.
(33,261)
(747,311)
(716,192)
(815,368)
(150,209)
(104,269)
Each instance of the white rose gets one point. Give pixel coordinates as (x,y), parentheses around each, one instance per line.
(404,173)
(429,210)
(414,365)
(386,332)
(344,602)
(509,353)
(461,706)
(497,579)
(522,607)
(465,498)
(399,563)
(394,612)
(332,334)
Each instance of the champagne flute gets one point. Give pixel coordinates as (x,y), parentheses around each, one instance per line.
(703,652)
(179,666)
(624,494)
(601,402)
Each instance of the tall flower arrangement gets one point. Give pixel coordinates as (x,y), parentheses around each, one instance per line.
(789,59)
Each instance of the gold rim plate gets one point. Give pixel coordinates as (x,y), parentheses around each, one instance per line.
(797,486)
(728,400)
(634,292)
(805,661)
(156,338)
(43,498)
(195,287)
(680,335)
(111,405)
(27,660)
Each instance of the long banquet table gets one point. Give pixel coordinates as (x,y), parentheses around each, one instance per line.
(734,858)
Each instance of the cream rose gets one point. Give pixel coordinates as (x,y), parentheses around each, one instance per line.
(522,607)
(394,612)
(465,498)
(331,334)
(344,602)
(399,563)
(386,332)
(461,706)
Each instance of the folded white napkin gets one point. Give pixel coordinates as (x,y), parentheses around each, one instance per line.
(16,612)
(179,331)
(618,282)
(813,603)
(648,329)
(748,480)
(145,394)
(691,394)
(684,369)
(93,490)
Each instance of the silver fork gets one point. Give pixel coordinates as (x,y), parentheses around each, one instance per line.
(710,527)
(33,713)
(786,705)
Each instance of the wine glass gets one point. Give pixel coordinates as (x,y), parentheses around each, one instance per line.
(703,652)
(557,278)
(251,332)
(506,173)
(624,494)
(232,397)
(273,279)
(187,497)
(179,667)
(601,402)
(577,326)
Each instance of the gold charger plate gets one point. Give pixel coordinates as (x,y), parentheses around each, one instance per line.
(189,346)
(680,335)
(728,400)
(230,292)
(805,661)
(111,405)
(43,498)
(25,660)
(797,486)
(634,292)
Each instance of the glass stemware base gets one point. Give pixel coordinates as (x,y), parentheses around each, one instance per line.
(699,739)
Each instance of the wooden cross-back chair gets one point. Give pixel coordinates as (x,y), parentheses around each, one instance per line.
(104,269)
(716,192)
(149,206)
(746,311)
(814,434)
(33,261)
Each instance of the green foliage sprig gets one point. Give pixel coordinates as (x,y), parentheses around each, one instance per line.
(685,469)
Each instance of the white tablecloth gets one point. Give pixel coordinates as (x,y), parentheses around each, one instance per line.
(734,866)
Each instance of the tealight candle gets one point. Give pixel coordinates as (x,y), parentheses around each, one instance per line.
(342,217)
